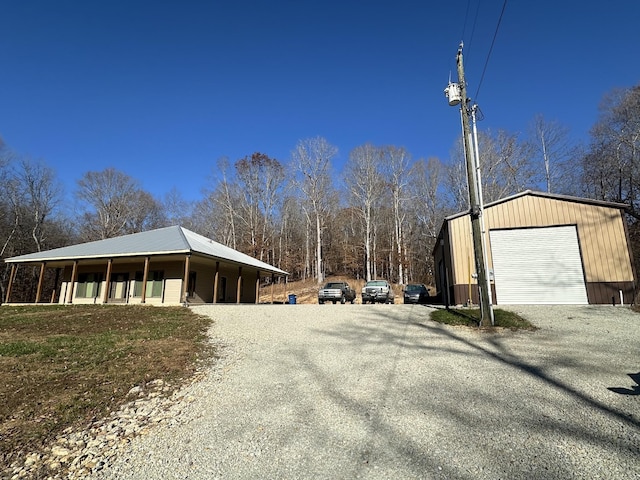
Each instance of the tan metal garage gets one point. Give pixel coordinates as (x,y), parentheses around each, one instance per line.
(542,249)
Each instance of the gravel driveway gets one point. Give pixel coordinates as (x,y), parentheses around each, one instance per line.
(382,392)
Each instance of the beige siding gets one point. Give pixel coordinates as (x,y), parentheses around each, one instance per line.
(173,272)
(601,234)
(462,248)
(231,274)
(205,273)
(249,286)
(172,290)
(204,283)
(66,284)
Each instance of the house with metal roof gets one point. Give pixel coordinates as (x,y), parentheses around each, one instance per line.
(540,248)
(167,266)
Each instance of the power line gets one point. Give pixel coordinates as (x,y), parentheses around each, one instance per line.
(473,29)
(464,29)
(484,70)
(466,17)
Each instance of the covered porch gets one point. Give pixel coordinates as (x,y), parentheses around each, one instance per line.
(195,275)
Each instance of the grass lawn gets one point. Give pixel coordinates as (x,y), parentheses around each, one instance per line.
(62,366)
(471,317)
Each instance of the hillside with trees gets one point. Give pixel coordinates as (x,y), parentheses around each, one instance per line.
(378,217)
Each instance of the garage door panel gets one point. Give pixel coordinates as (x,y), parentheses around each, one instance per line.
(538,266)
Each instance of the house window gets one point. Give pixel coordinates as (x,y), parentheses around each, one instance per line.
(89,285)
(191,285)
(155,279)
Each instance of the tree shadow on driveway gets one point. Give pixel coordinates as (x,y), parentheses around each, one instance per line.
(634,390)
(501,400)
(502,355)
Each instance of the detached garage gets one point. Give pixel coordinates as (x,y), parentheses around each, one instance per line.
(541,249)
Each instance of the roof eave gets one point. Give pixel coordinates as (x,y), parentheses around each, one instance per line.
(553,196)
(92,257)
(19,260)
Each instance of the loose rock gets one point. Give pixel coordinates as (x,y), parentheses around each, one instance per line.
(77,454)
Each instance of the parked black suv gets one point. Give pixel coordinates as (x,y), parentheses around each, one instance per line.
(416,293)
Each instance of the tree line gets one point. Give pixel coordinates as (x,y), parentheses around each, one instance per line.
(378,217)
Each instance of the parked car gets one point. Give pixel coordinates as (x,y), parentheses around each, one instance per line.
(416,293)
(336,292)
(378,291)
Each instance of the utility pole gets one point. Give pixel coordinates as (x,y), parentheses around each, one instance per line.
(486,311)
(476,168)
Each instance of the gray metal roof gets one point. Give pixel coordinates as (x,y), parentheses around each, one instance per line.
(162,241)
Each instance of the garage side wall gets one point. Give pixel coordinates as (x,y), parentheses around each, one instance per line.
(601,234)
(464,287)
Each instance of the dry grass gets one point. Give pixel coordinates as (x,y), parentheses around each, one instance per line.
(62,366)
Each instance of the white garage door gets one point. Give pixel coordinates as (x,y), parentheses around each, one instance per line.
(538,265)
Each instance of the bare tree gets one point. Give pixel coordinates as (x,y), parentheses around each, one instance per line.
(611,162)
(365,188)
(29,195)
(293,255)
(611,165)
(208,219)
(261,179)
(177,210)
(395,167)
(312,162)
(550,142)
(428,212)
(217,214)
(146,213)
(42,194)
(456,179)
(9,199)
(113,204)
(506,168)
(228,197)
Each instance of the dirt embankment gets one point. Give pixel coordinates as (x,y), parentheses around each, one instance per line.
(306,291)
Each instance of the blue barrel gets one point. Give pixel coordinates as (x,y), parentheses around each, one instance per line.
(292,299)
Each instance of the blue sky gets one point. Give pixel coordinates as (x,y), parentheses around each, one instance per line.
(162,89)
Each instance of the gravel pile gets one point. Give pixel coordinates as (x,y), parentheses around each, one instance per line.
(380,391)
(76,453)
